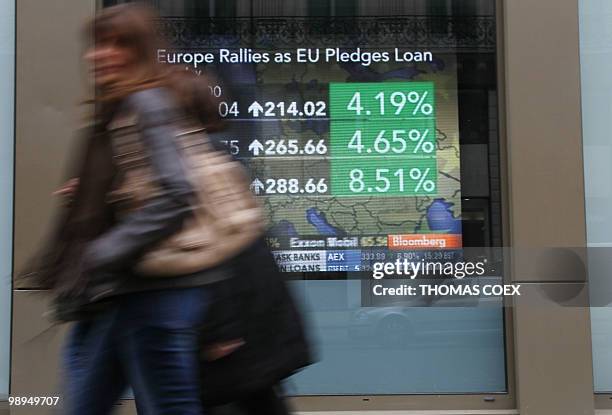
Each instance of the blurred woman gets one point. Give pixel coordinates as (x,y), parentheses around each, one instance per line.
(130,331)
(221,332)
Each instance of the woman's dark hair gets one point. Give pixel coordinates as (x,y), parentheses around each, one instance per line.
(194,95)
(133,26)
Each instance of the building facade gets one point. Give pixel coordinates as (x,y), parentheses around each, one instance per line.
(516,165)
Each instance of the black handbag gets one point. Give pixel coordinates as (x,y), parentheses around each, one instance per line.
(257,307)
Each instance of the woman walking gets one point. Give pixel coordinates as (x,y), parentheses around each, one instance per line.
(130,262)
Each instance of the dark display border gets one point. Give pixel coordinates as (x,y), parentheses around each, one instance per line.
(422,32)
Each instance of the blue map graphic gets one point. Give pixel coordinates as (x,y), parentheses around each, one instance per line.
(318,219)
(440,217)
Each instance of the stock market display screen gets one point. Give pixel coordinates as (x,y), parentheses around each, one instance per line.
(350,134)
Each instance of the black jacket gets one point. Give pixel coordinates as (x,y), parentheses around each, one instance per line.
(106,259)
(121,245)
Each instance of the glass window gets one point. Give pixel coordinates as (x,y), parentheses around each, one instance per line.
(371,131)
(596,73)
(7,86)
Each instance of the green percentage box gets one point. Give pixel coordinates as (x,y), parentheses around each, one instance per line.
(383,137)
(384,176)
(361,100)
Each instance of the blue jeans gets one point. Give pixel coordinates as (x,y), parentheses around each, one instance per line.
(148,341)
